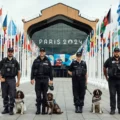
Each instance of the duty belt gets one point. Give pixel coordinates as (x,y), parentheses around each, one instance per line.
(42,77)
(9,77)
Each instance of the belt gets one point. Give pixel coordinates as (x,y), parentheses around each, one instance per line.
(42,77)
(10,77)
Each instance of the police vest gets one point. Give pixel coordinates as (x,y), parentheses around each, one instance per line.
(79,70)
(41,68)
(114,69)
(9,68)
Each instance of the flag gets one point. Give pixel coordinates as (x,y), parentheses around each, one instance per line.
(119,35)
(12,29)
(5,24)
(108,44)
(0,11)
(97,31)
(118,11)
(88,44)
(107,18)
(106,21)
(0,15)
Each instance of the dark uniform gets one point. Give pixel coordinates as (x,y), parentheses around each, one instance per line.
(41,72)
(113,66)
(79,71)
(9,69)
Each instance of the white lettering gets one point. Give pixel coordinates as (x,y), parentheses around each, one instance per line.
(50,41)
(70,41)
(80,42)
(40,41)
(54,41)
(64,41)
(58,41)
(45,41)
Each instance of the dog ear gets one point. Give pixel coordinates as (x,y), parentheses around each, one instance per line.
(94,92)
(22,95)
(17,94)
(52,95)
(100,92)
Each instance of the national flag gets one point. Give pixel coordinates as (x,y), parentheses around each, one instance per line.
(5,24)
(103,27)
(0,11)
(98,30)
(108,44)
(0,15)
(22,39)
(12,29)
(118,11)
(88,44)
(107,18)
(119,35)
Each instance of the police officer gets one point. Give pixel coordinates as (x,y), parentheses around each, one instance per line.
(78,71)
(9,68)
(113,78)
(40,74)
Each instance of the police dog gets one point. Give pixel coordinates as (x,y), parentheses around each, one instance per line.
(20,106)
(96,101)
(52,106)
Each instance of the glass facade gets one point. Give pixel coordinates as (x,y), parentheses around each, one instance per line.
(59,38)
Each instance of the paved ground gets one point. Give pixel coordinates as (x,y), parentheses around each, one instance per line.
(63,96)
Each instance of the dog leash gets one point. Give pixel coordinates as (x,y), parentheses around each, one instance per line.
(89,91)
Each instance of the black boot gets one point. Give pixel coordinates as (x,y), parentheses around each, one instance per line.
(5,110)
(76,109)
(80,109)
(43,110)
(11,111)
(118,111)
(38,110)
(112,112)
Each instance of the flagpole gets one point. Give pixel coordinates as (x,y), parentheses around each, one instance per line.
(1,35)
(111,36)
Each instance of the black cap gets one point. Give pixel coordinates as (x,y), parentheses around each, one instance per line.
(42,49)
(78,54)
(10,49)
(116,49)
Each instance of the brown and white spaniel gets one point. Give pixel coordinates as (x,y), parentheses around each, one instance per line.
(20,106)
(52,106)
(96,101)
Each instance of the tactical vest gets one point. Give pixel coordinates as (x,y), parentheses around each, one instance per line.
(114,69)
(80,70)
(9,68)
(41,68)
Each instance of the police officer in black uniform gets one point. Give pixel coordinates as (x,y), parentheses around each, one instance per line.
(9,68)
(78,71)
(112,75)
(40,74)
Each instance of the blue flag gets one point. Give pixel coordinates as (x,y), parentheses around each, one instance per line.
(12,29)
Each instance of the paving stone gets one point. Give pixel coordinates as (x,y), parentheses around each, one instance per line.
(64,97)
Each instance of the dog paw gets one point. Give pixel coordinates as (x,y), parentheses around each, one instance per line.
(100,112)
(93,112)
(21,113)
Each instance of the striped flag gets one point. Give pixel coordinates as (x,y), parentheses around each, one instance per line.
(5,24)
